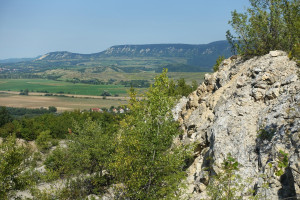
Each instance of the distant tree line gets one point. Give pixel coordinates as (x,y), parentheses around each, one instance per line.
(178,67)
(135,83)
(91,81)
(52,77)
(20,76)
(136,69)
(11,112)
(130,83)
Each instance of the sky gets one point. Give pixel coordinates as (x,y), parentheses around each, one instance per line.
(29,28)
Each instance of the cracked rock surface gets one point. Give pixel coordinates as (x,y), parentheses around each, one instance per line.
(229,112)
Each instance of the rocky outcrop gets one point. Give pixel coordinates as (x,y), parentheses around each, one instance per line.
(250,109)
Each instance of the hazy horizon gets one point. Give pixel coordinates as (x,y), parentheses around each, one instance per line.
(32,28)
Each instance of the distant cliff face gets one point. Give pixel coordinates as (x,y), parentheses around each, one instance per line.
(62,55)
(199,55)
(169,50)
(251,110)
(153,50)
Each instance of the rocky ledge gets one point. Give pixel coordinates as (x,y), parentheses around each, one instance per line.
(250,109)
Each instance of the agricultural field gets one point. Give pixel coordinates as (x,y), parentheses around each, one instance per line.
(38,85)
(11,99)
(118,76)
(51,86)
(70,96)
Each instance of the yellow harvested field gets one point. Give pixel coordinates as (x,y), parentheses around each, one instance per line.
(10,99)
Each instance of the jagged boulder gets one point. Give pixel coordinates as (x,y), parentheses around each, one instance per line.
(250,109)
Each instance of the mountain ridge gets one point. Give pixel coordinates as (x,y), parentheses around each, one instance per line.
(134,49)
(178,57)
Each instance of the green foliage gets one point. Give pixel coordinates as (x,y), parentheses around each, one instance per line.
(24,92)
(43,140)
(88,153)
(267,25)
(20,112)
(91,147)
(264,134)
(144,161)
(105,93)
(7,129)
(52,109)
(5,116)
(136,83)
(182,88)
(283,162)
(12,156)
(294,54)
(171,91)
(194,85)
(226,184)
(58,164)
(59,125)
(218,62)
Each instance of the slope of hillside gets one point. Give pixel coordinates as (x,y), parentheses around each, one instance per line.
(178,57)
(251,110)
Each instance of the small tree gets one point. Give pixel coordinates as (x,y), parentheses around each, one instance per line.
(12,158)
(26,92)
(5,116)
(105,93)
(182,88)
(144,161)
(226,184)
(218,62)
(267,25)
(52,109)
(194,85)
(43,140)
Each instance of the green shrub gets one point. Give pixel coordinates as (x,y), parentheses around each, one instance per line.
(5,116)
(266,25)
(227,183)
(12,156)
(264,134)
(218,62)
(58,163)
(144,161)
(43,140)
(283,162)
(52,109)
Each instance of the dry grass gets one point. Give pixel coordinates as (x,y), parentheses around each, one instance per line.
(61,103)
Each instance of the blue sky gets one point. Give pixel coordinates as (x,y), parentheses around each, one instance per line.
(29,28)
